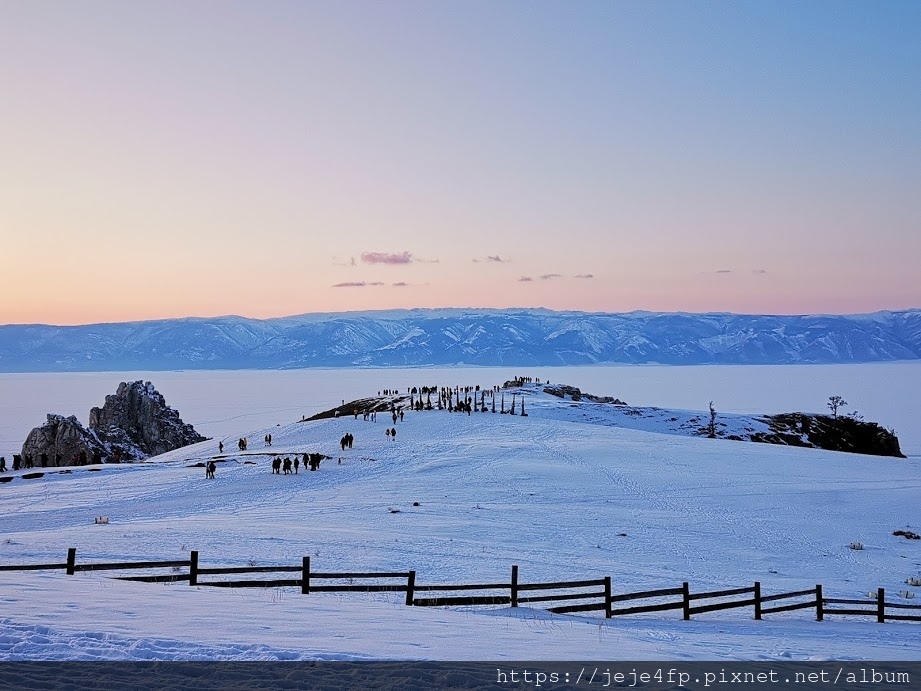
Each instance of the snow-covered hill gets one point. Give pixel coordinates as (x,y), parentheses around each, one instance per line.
(564,493)
(473,337)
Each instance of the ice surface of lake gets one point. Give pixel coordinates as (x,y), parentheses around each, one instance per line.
(220,403)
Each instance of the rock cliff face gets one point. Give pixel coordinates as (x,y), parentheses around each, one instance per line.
(137,416)
(833,434)
(133,424)
(65,442)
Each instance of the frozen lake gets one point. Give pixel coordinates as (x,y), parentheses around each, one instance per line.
(222,403)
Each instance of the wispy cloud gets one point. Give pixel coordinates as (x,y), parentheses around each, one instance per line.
(400,284)
(344,262)
(723,271)
(759,272)
(525,279)
(492,259)
(547,277)
(357,284)
(584,276)
(387,258)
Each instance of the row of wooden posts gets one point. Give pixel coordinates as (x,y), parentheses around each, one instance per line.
(518,593)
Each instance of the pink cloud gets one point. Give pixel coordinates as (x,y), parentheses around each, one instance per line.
(357,284)
(387,258)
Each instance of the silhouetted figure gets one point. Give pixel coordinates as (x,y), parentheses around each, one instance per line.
(387,432)
(220,447)
(209,470)
(287,466)
(17,461)
(297,464)
(276,466)
(393,433)
(2,464)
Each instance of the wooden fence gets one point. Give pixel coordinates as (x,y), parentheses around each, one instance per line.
(597,592)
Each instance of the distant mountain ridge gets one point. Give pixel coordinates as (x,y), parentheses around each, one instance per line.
(484,337)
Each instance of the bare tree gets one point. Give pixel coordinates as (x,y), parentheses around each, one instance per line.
(835,402)
(711,426)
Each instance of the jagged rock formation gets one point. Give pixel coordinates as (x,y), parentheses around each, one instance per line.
(833,434)
(132,424)
(137,417)
(65,442)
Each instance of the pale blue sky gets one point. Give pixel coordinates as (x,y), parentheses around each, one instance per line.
(285,157)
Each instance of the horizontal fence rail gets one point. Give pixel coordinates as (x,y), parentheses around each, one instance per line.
(597,591)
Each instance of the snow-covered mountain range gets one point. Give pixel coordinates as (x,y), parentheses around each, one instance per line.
(517,337)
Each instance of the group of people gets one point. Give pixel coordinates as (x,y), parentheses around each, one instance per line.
(346,441)
(284,466)
(242,443)
(268,440)
(210,467)
(27,462)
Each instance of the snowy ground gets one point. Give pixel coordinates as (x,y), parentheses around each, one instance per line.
(565,493)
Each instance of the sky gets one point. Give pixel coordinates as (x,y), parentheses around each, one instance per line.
(172,159)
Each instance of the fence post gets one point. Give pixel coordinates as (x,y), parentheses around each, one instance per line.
(819,613)
(757,600)
(514,585)
(686,592)
(881,605)
(71,560)
(193,567)
(305,576)
(410,588)
(607,597)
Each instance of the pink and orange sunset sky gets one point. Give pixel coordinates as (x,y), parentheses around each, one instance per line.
(169,159)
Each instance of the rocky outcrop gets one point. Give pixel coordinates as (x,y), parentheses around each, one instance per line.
(831,433)
(132,424)
(137,417)
(563,390)
(64,441)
